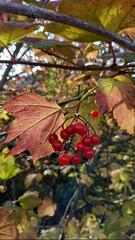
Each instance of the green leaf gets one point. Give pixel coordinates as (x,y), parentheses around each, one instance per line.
(29,200)
(14,31)
(8,167)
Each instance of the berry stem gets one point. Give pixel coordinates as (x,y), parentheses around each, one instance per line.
(83,119)
(61,126)
(87,94)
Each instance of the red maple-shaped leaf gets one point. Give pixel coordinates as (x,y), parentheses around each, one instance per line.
(35,119)
(119,98)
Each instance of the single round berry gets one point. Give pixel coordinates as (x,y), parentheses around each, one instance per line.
(80,146)
(95,114)
(75,159)
(53,137)
(89,153)
(57,145)
(80,128)
(64,159)
(70,129)
(86,140)
(64,134)
(95,140)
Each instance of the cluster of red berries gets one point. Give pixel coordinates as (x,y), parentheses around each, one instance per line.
(83,146)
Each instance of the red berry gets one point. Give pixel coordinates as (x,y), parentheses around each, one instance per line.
(89,153)
(80,146)
(64,135)
(53,137)
(95,114)
(86,140)
(80,128)
(76,159)
(86,148)
(57,146)
(70,129)
(64,159)
(95,140)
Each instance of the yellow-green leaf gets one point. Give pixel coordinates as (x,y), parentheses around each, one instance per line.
(8,167)
(4,114)
(14,31)
(111,14)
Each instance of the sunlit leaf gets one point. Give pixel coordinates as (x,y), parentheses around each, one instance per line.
(8,167)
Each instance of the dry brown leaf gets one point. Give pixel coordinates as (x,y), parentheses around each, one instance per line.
(47,208)
(8,230)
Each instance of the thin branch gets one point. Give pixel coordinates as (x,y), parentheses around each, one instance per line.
(24,53)
(41,13)
(94,67)
(9,67)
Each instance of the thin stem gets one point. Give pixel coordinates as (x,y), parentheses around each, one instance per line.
(24,53)
(85,121)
